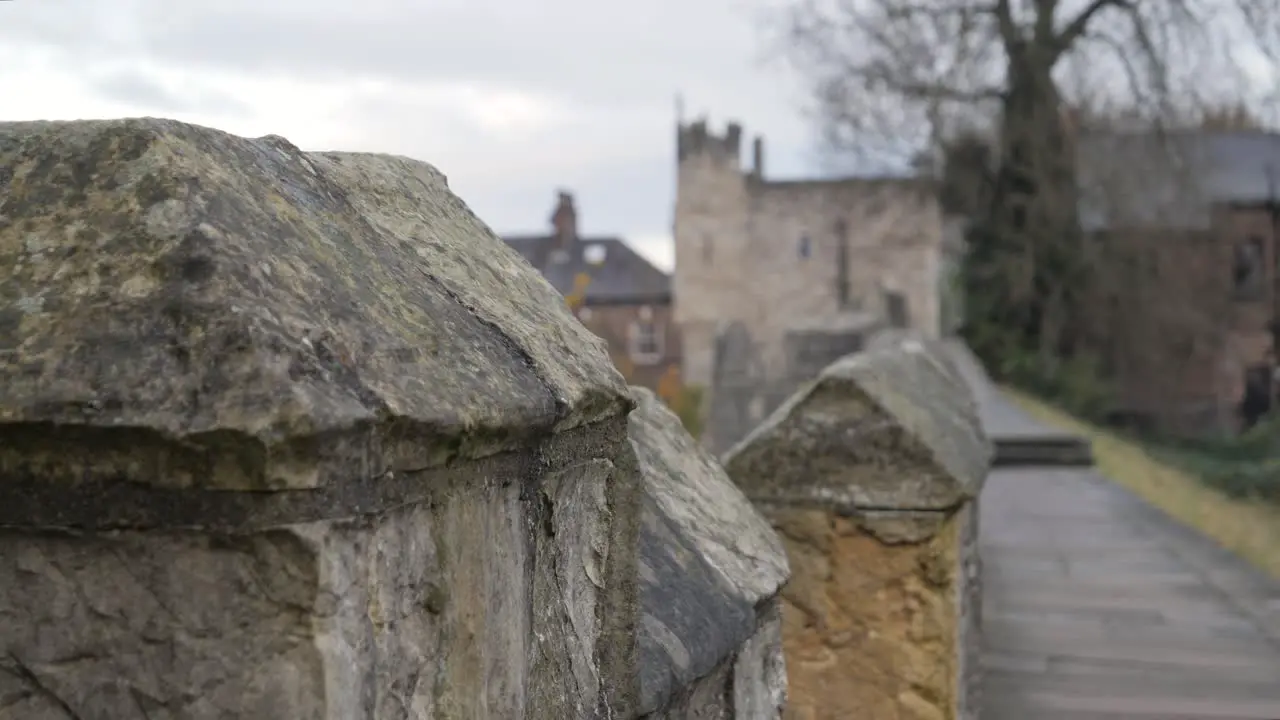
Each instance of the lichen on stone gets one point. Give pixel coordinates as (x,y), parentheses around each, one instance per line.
(227,305)
(893,428)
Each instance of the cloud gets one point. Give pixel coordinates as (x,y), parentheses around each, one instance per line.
(512,100)
(658,249)
(145,87)
(628,54)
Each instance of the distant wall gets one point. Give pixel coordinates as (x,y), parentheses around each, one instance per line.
(951,276)
(869,472)
(744,389)
(294,435)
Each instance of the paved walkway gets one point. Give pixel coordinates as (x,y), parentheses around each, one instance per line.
(1097,606)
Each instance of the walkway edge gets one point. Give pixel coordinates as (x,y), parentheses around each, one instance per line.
(1252,592)
(1014,446)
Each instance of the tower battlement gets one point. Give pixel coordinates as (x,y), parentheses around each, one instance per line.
(696,139)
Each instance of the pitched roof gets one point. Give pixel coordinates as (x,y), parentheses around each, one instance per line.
(1172,180)
(618,275)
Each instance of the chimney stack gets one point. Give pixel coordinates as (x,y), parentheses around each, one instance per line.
(564,221)
(733,142)
(757,158)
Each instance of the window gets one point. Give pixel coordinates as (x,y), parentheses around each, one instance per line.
(644,339)
(1257,395)
(1019,217)
(1246,271)
(804,250)
(896,310)
(843,294)
(595,254)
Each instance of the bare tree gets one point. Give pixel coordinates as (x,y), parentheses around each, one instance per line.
(890,77)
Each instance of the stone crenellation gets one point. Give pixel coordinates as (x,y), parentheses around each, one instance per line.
(696,140)
(290,434)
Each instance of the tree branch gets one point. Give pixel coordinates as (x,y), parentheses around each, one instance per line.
(926,91)
(1045,10)
(1080,25)
(1003,10)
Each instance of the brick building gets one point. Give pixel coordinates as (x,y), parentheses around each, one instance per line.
(1185,230)
(617,294)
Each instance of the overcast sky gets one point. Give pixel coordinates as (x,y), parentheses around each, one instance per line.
(511,99)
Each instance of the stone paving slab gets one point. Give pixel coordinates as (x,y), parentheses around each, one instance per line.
(1096,606)
(1061,630)
(1170,647)
(1105,682)
(1126,620)
(1048,704)
(1008,710)
(1030,668)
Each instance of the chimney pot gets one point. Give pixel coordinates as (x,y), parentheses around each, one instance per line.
(757,157)
(564,220)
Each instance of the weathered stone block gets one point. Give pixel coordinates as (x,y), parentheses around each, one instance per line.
(294,435)
(869,473)
(709,567)
(894,428)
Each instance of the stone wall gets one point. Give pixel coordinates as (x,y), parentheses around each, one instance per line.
(294,435)
(951,280)
(735,399)
(870,473)
(710,571)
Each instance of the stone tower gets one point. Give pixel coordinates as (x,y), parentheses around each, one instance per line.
(790,258)
(711,239)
